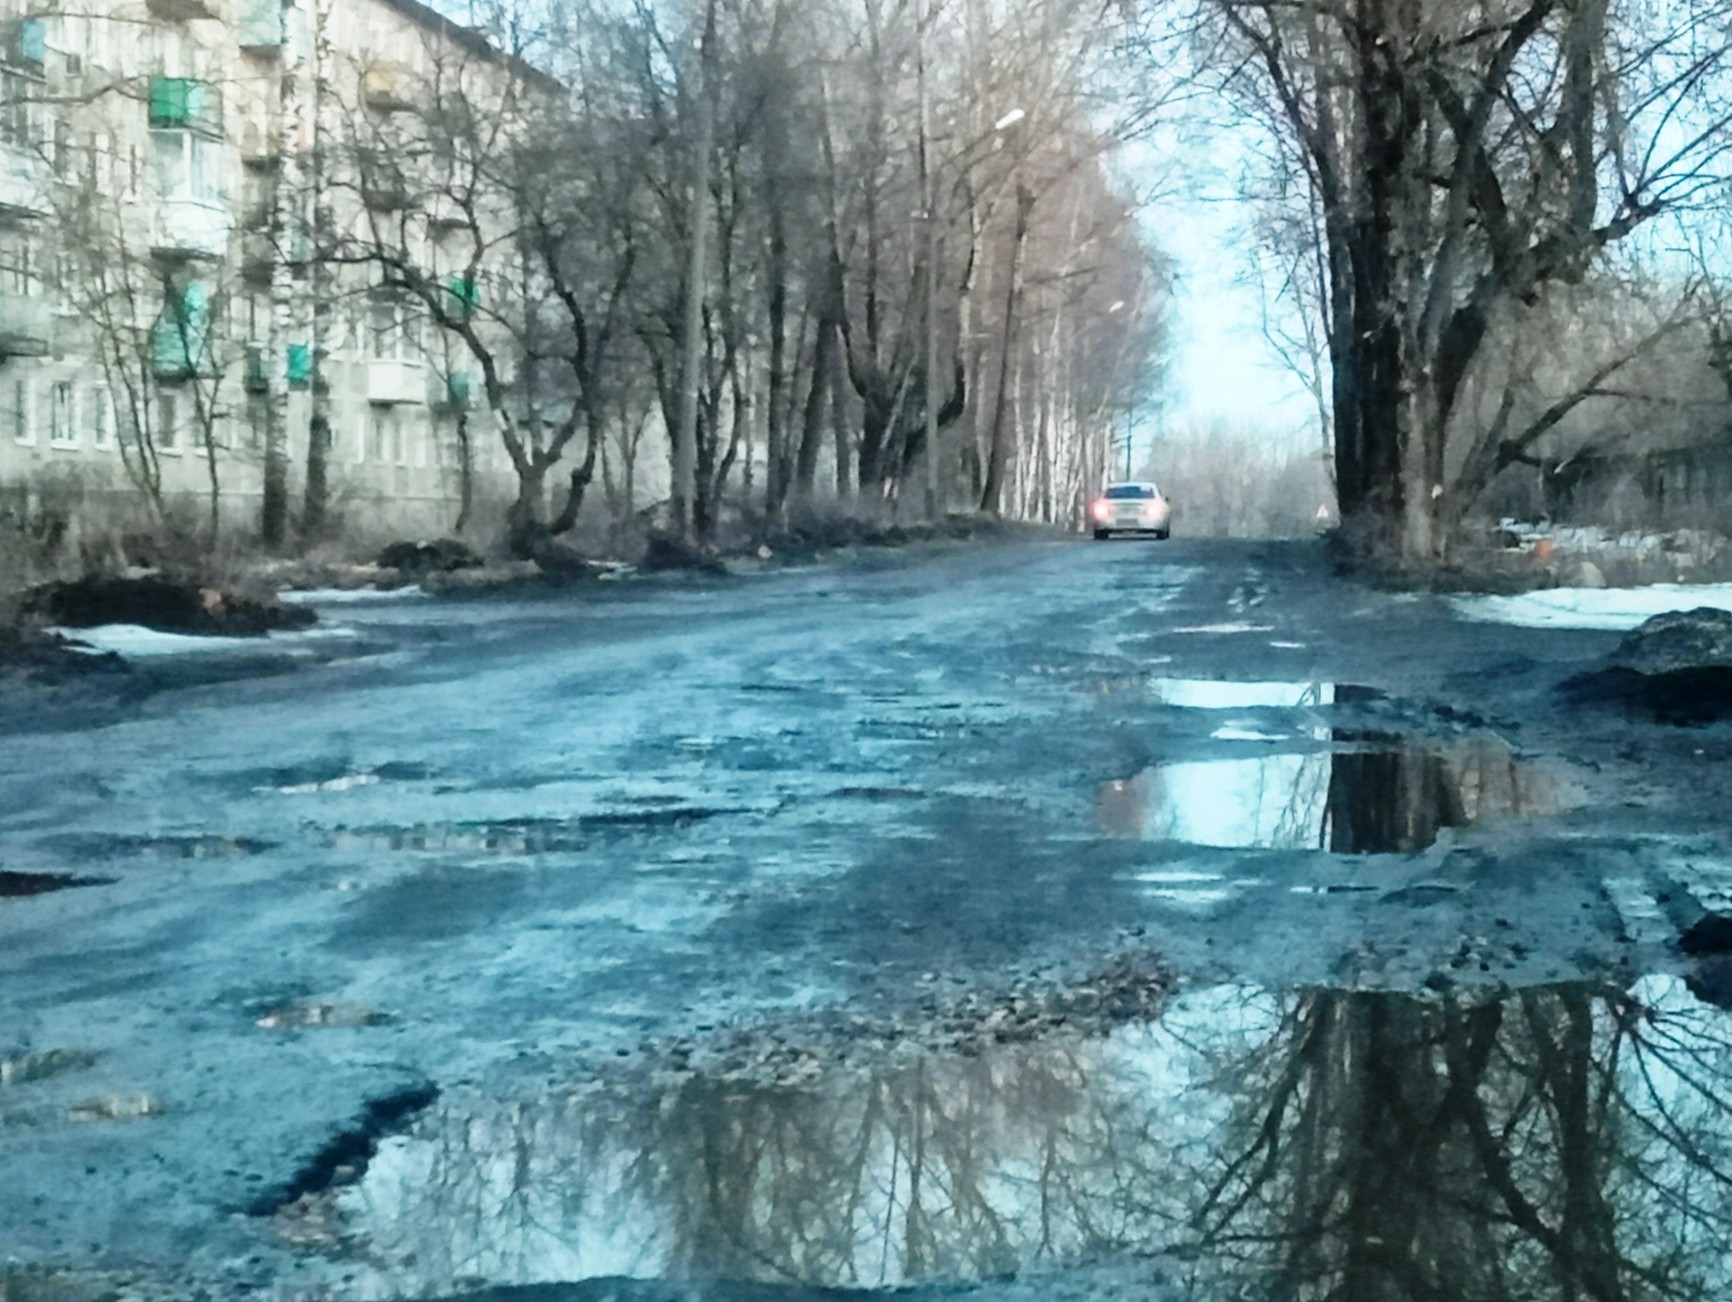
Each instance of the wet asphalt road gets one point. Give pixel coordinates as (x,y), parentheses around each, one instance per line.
(495,842)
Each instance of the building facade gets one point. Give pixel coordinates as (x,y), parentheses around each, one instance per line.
(193,318)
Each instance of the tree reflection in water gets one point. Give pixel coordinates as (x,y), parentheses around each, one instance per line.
(1560,1143)
(1393,800)
(1565,1143)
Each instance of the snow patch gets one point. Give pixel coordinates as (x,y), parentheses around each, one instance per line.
(1608,609)
(1227,628)
(349,596)
(347,782)
(136,642)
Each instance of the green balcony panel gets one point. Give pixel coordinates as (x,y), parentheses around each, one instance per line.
(300,365)
(29,43)
(457,388)
(300,368)
(184,103)
(467,295)
(180,340)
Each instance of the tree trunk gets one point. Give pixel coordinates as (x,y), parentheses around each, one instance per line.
(685,467)
(998,449)
(465,473)
(316,502)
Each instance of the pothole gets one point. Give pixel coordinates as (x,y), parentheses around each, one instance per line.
(304,1014)
(527,835)
(117,1107)
(344,1158)
(1231,1134)
(14,884)
(1396,800)
(27,1068)
(101,845)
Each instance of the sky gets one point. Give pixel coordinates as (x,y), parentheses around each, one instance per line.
(1224,372)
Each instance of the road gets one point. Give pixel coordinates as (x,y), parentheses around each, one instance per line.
(691,930)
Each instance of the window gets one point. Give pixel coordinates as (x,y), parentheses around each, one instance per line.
(62,431)
(188,166)
(167,423)
(18,105)
(23,415)
(101,417)
(378,431)
(62,156)
(17,265)
(393,330)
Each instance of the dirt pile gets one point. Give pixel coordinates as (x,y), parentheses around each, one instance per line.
(1676,668)
(161,603)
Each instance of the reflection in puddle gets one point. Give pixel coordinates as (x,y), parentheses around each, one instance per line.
(1347,802)
(1210,694)
(1321,1145)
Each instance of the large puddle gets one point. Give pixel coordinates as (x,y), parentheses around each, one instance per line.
(1395,801)
(1569,1142)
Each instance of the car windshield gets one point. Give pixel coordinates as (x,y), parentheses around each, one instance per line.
(1130,492)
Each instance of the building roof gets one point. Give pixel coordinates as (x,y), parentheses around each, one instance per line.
(474,40)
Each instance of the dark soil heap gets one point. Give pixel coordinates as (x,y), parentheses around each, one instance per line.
(167,605)
(1676,667)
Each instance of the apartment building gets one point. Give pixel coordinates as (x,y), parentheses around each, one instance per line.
(176,177)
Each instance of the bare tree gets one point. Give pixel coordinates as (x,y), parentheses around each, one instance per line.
(1465,160)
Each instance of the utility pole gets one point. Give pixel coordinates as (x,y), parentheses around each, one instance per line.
(686,436)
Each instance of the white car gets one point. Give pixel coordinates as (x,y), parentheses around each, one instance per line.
(1131,507)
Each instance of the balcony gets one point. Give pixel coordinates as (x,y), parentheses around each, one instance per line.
(24,44)
(384,190)
(261,146)
(179,355)
(192,228)
(26,326)
(260,29)
(385,88)
(188,11)
(390,382)
(186,104)
(26,184)
(458,391)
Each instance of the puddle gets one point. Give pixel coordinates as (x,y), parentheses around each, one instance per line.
(13,884)
(1214,694)
(1320,1144)
(210,846)
(303,1014)
(322,776)
(527,835)
(1394,801)
(117,1107)
(24,1068)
